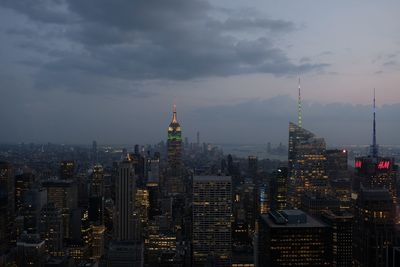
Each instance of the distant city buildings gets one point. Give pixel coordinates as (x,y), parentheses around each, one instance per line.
(187,204)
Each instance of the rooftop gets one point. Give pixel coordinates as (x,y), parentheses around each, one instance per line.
(213,178)
(291,219)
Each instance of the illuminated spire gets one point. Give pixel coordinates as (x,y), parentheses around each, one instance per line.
(299,106)
(174,119)
(374,148)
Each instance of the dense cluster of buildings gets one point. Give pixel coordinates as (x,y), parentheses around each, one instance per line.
(186,204)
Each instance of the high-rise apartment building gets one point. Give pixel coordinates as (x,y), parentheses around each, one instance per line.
(212,217)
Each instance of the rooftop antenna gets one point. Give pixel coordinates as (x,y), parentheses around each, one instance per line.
(299,106)
(374,147)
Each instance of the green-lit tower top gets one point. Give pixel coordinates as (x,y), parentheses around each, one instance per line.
(174,129)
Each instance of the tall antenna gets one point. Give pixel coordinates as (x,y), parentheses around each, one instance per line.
(374,145)
(299,106)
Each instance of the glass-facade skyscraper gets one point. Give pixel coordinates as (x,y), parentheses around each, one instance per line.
(307,164)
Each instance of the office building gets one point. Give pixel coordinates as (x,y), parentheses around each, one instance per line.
(341,225)
(212,215)
(124,225)
(293,238)
(30,251)
(278,189)
(96,195)
(64,195)
(7,206)
(307,164)
(373,227)
(125,254)
(51,229)
(67,169)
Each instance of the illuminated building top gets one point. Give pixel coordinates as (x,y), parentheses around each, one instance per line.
(174,129)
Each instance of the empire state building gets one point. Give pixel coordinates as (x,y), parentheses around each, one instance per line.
(174,145)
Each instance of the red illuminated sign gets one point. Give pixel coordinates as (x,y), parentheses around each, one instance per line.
(358,164)
(383,165)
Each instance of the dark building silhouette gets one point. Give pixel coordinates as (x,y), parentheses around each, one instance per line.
(252,163)
(278,189)
(375,193)
(124,220)
(67,169)
(7,208)
(373,227)
(30,250)
(23,183)
(293,238)
(341,226)
(96,195)
(51,229)
(64,195)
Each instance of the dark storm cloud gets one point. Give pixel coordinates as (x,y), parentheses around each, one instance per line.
(46,11)
(153,40)
(239,24)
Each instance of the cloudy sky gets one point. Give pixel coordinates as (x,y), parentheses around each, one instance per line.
(74,71)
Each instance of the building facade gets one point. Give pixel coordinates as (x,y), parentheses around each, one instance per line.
(212,217)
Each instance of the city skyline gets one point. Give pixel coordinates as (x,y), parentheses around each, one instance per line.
(72,72)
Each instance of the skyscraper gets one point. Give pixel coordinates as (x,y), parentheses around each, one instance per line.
(341,224)
(212,215)
(174,143)
(374,171)
(174,179)
(96,211)
(373,227)
(375,192)
(7,206)
(252,166)
(278,189)
(307,164)
(124,198)
(96,195)
(51,229)
(64,195)
(339,176)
